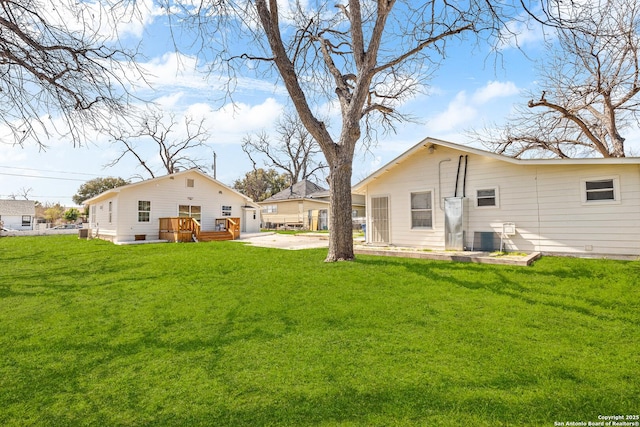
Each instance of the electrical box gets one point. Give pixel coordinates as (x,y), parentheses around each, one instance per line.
(508,229)
(456,222)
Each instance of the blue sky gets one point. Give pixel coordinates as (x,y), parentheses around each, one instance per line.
(468,91)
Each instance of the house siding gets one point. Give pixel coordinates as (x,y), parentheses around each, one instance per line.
(544,201)
(102,226)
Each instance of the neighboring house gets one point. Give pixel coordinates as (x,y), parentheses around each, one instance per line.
(440,195)
(134,211)
(303,205)
(17,214)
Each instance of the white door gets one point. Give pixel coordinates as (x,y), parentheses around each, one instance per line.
(379,220)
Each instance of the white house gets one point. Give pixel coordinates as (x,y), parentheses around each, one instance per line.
(441,195)
(134,211)
(17,214)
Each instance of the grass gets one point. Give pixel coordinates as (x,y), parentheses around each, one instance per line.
(230,335)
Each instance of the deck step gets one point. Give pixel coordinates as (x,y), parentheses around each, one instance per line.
(210,236)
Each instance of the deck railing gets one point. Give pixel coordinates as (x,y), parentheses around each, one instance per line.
(184,229)
(234,227)
(179,229)
(230,225)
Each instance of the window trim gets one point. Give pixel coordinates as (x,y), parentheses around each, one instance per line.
(496,197)
(616,190)
(431,210)
(191,181)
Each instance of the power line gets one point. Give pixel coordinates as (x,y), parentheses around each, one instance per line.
(48,170)
(32,196)
(40,176)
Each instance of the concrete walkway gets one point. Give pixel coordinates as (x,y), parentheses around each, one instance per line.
(286,241)
(465,256)
(321,240)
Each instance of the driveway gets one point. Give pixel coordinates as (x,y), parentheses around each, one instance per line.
(287,241)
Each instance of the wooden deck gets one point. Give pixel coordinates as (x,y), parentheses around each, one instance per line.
(185,229)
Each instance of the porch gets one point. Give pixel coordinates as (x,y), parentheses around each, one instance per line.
(186,229)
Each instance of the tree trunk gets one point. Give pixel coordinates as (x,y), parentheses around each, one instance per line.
(617,144)
(340,223)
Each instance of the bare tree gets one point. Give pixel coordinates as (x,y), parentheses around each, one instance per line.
(157,137)
(588,85)
(57,58)
(294,152)
(23,192)
(364,57)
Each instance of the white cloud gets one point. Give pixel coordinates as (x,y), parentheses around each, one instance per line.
(458,112)
(141,13)
(231,122)
(494,90)
(464,109)
(173,70)
(523,31)
(170,101)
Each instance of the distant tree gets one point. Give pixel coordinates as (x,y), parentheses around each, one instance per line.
(53,212)
(294,151)
(23,193)
(159,134)
(260,184)
(96,186)
(588,85)
(71,214)
(58,57)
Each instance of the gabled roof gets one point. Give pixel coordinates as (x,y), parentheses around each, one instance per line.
(17,207)
(114,191)
(304,189)
(434,142)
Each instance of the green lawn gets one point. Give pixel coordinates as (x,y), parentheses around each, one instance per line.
(224,334)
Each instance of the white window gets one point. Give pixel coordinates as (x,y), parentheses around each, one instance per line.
(270,209)
(226,210)
(144,211)
(26,220)
(187,211)
(421,211)
(600,190)
(487,197)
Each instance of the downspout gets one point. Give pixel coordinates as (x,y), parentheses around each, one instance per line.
(464,181)
(455,193)
(538,213)
(440,182)
(367,215)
